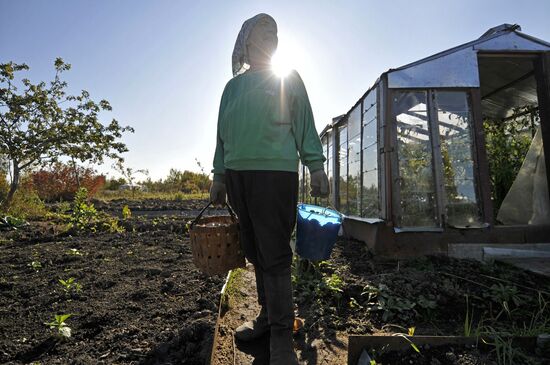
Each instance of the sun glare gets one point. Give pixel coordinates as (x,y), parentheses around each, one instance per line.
(281,64)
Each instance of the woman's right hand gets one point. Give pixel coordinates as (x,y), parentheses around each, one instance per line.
(218,193)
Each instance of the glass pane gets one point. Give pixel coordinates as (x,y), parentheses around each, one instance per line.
(369,134)
(369,107)
(370,158)
(453,113)
(370,195)
(354,187)
(354,121)
(343,188)
(343,167)
(354,147)
(416,180)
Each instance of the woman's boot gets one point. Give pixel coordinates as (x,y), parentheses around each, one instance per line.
(280,309)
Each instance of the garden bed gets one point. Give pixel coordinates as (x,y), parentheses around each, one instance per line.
(352,293)
(141,299)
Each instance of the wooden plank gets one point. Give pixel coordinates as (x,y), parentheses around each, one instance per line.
(534,264)
(356,344)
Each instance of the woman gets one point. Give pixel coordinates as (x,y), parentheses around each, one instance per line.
(265,126)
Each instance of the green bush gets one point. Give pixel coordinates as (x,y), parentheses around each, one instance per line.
(84,214)
(26,204)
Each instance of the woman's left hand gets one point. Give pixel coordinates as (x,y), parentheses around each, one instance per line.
(319,184)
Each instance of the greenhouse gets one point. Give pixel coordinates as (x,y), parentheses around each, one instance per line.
(448,149)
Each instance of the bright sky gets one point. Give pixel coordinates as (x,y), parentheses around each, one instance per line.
(163,64)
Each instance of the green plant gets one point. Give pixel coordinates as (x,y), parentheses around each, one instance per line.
(74,251)
(36,265)
(179,196)
(406,337)
(70,285)
(230,292)
(506,295)
(507,144)
(63,207)
(505,352)
(59,325)
(381,298)
(126,212)
(111,225)
(84,214)
(317,280)
(468,319)
(26,204)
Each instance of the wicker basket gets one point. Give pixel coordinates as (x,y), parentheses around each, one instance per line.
(215,243)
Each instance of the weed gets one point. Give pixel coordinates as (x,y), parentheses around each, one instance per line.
(126,212)
(74,252)
(63,207)
(70,285)
(318,280)
(410,333)
(382,299)
(231,293)
(468,319)
(59,325)
(353,304)
(26,204)
(36,265)
(111,225)
(505,352)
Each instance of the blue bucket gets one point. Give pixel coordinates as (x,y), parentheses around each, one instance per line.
(316,231)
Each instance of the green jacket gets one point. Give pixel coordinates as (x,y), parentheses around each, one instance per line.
(265,123)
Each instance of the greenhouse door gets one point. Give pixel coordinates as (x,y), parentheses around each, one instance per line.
(436,183)
(514,106)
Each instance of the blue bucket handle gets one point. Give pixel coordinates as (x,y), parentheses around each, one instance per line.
(324,210)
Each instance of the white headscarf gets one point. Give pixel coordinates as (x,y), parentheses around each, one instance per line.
(240,51)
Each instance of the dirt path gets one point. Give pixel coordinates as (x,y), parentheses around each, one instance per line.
(244,306)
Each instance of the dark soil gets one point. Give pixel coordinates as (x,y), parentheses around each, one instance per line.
(142,300)
(352,293)
(150,205)
(443,355)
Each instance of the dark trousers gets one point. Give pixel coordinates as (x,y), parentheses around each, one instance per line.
(265,203)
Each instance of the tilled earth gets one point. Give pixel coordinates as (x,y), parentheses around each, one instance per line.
(354,293)
(142,300)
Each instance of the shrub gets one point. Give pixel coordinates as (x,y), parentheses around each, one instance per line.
(84,214)
(27,204)
(60,182)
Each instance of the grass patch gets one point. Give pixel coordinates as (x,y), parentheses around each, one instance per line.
(143,195)
(232,295)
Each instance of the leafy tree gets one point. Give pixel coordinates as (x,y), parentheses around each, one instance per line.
(114,184)
(41,123)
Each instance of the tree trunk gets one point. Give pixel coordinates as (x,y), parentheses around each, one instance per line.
(13,186)
(77,176)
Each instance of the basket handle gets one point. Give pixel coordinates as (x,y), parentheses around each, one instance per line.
(199,216)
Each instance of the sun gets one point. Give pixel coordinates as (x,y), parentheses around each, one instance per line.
(281,63)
